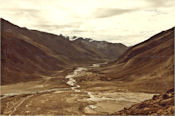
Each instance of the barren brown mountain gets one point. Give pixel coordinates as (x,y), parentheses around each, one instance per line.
(27,54)
(146,67)
(83,76)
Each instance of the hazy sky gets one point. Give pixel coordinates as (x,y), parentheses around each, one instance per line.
(125,21)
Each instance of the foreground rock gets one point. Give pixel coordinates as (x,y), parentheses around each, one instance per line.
(158,105)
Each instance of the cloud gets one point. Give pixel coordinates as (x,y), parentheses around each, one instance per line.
(161,3)
(126,21)
(77,31)
(72,27)
(28,13)
(56,26)
(52,27)
(22,16)
(109,12)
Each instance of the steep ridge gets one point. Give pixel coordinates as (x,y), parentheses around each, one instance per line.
(146,67)
(26,54)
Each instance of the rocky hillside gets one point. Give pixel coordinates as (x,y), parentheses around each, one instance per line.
(158,105)
(26,54)
(146,67)
(102,48)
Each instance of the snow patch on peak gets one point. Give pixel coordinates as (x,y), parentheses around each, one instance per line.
(91,40)
(73,38)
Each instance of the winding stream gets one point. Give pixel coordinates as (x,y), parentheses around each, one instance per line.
(104,97)
(75,87)
(72,82)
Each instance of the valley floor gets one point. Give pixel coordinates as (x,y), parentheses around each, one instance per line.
(68,94)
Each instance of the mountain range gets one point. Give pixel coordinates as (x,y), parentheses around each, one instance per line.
(27,54)
(119,77)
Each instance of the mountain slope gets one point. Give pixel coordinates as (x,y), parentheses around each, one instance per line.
(148,66)
(26,54)
(158,105)
(102,48)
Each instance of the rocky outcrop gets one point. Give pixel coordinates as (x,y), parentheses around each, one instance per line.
(158,105)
